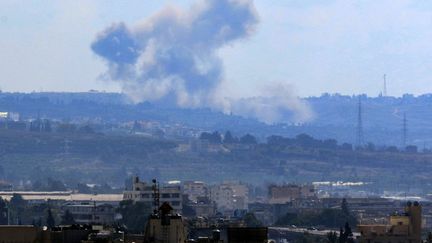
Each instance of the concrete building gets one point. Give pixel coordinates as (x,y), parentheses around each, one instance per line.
(194,189)
(92,213)
(60,198)
(165,227)
(143,192)
(401,228)
(28,233)
(250,235)
(204,207)
(280,194)
(229,196)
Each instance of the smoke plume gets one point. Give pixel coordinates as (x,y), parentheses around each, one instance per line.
(278,103)
(172,56)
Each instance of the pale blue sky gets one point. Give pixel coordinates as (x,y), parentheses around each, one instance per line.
(314,46)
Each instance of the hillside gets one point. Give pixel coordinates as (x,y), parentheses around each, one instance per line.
(96,158)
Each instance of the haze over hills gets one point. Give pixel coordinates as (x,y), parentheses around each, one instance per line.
(334,116)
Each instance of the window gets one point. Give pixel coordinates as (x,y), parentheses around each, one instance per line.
(175,203)
(166,195)
(176,195)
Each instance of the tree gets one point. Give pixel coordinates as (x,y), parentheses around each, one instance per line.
(332,237)
(328,217)
(17,206)
(214,137)
(134,215)
(86,129)
(330,143)
(55,185)
(67,218)
(17,201)
(347,146)
(411,149)
(346,235)
(392,149)
(344,207)
(50,221)
(251,221)
(248,139)
(83,188)
(304,140)
(229,139)
(3,212)
(429,238)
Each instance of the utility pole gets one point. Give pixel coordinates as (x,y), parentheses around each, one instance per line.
(156,196)
(404,131)
(359,137)
(8,213)
(385,86)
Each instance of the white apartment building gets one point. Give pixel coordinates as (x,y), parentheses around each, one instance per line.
(195,189)
(91,213)
(230,195)
(143,192)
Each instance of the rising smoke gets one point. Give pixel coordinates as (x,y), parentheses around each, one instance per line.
(172,56)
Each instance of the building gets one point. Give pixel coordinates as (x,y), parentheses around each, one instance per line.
(230,235)
(164,227)
(10,116)
(229,196)
(370,209)
(280,194)
(92,213)
(61,197)
(28,233)
(203,207)
(22,233)
(194,189)
(401,228)
(250,235)
(145,192)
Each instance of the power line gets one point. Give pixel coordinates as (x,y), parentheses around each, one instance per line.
(404,130)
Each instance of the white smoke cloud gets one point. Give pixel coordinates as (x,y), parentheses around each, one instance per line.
(277,103)
(172,57)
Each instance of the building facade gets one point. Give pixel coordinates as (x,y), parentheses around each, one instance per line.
(144,192)
(195,189)
(165,227)
(280,194)
(92,213)
(405,227)
(230,196)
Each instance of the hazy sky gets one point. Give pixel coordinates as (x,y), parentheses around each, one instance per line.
(314,46)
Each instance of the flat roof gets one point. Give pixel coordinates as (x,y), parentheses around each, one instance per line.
(66,196)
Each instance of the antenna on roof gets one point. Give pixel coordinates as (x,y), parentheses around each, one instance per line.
(404,130)
(385,86)
(156,196)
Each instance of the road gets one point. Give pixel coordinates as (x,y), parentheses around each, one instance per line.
(305,230)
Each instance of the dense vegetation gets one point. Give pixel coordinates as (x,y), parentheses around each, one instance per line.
(76,141)
(48,160)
